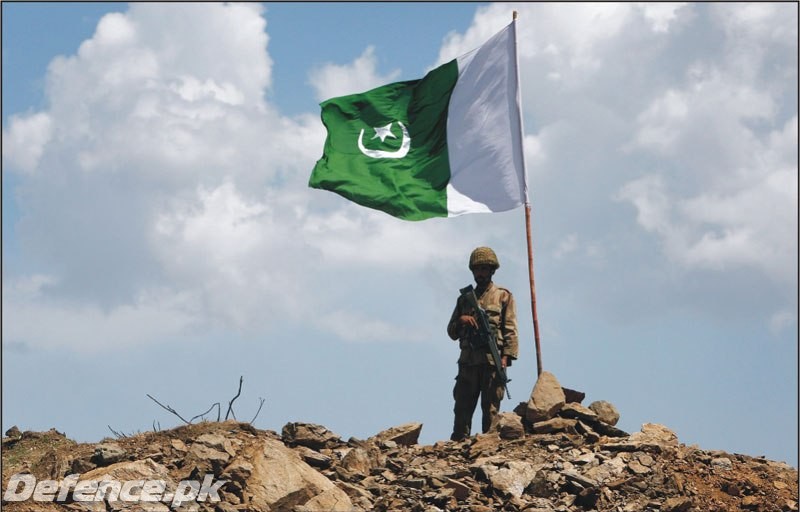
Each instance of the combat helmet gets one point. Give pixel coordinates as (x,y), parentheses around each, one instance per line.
(483,256)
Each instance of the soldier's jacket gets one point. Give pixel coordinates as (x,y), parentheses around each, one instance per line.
(502,312)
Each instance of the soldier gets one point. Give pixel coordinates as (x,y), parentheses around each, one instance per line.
(476,370)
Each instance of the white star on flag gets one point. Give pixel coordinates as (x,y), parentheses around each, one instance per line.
(384,131)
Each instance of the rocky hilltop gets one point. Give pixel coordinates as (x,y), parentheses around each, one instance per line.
(551,454)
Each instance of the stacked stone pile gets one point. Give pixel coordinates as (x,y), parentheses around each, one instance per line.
(551,455)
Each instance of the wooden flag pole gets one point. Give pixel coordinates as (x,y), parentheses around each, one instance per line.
(533,291)
(528,217)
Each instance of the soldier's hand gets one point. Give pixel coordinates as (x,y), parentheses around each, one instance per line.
(468,320)
(504,361)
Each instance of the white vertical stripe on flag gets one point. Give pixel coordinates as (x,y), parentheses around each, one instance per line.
(484,135)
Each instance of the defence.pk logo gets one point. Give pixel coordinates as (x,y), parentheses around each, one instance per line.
(23,486)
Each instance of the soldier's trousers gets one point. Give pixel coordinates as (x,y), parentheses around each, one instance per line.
(472,382)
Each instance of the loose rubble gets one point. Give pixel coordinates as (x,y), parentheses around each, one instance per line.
(569,458)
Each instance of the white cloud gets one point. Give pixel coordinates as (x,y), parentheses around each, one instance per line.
(24,141)
(661,15)
(47,323)
(783,320)
(159,122)
(757,22)
(745,221)
(713,108)
(567,246)
(357,327)
(331,80)
(351,236)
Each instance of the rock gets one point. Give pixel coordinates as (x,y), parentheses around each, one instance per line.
(681,504)
(508,425)
(609,469)
(585,459)
(608,430)
(484,445)
(480,508)
(722,463)
(587,498)
(406,434)
(579,412)
(574,476)
(587,432)
(238,471)
(357,495)
(314,458)
(750,502)
(178,445)
(654,432)
(554,425)
(653,437)
(310,435)
(510,477)
(82,466)
(606,412)
(547,398)
(216,442)
(206,459)
(572,396)
(460,491)
(638,468)
(327,501)
(357,461)
(572,468)
(14,432)
(732,488)
(645,459)
(539,505)
(108,453)
(280,480)
(145,469)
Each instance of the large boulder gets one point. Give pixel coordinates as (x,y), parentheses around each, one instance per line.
(578,412)
(606,412)
(508,425)
(653,438)
(547,398)
(108,453)
(145,469)
(310,435)
(509,477)
(357,461)
(276,478)
(406,434)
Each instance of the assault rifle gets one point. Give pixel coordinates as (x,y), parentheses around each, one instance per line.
(485,335)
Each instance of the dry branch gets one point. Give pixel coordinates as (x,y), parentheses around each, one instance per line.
(170,409)
(230,405)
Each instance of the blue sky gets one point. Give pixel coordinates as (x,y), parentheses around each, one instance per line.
(159,236)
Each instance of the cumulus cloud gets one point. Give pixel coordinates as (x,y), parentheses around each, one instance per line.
(687,112)
(163,196)
(331,80)
(25,139)
(357,327)
(160,122)
(743,221)
(42,321)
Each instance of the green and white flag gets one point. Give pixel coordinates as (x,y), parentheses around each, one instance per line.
(445,145)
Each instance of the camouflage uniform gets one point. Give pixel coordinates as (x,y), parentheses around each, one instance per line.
(476,370)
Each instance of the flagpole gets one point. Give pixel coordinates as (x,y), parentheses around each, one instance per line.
(527,210)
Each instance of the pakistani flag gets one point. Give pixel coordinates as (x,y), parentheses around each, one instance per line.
(445,145)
